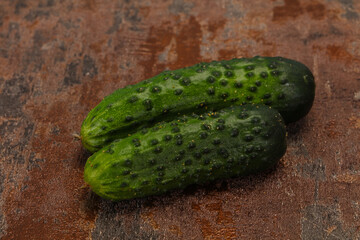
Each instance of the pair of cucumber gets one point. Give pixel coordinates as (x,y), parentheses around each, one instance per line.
(193,125)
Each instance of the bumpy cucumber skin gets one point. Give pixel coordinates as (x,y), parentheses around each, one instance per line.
(284,84)
(236,141)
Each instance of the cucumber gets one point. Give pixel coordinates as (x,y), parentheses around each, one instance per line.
(196,149)
(286,85)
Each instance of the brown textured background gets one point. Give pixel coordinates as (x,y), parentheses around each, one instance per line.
(58,59)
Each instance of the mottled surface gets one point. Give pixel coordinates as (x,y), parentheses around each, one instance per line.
(58,59)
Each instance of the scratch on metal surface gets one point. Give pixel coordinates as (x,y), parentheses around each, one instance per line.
(316,67)
(348,178)
(327,88)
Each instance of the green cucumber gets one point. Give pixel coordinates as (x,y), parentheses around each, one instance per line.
(286,85)
(196,149)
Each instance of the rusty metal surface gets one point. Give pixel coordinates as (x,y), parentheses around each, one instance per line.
(58,59)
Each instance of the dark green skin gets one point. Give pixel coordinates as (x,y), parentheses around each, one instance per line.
(236,141)
(284,84)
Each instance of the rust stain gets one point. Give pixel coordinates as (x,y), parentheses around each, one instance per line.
(316,10)
(220,228)
(269,52)
(149,218)
(207,229)
(215,206)
(268,47)
(348,178)
(196,207)
(293,9)
(33,24)
(331,129)
(225,54)
(90,5)
(223,217)
(257,35)
(211,232)
(157,40)
(106,63)
(355,121)
(187,47)
(97,46)
(176,230)
(90,89)
(188,44)
(337,52)
(330,229)
(144,11)
(214,26)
